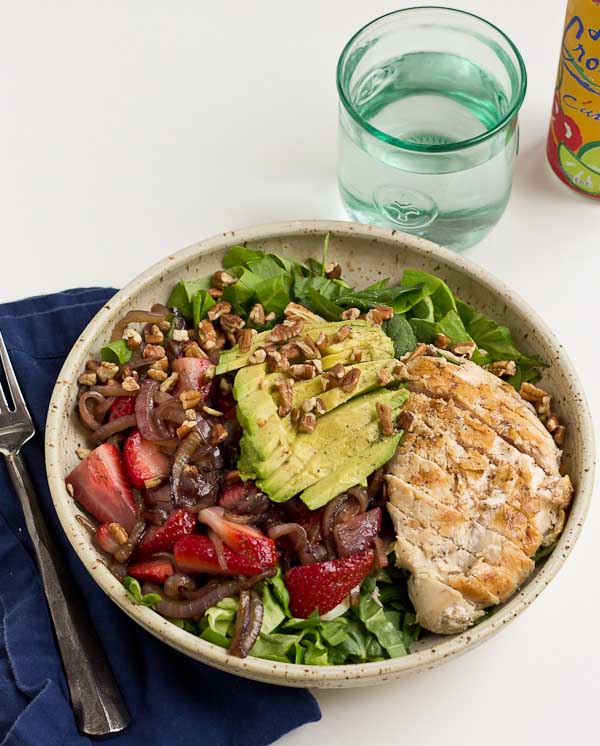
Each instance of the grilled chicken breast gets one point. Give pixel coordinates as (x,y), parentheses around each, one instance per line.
(474,490)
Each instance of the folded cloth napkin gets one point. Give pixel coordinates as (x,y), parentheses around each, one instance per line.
(172,699)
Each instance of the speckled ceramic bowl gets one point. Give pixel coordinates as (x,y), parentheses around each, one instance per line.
(367,254)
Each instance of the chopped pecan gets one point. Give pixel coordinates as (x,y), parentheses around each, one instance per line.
(130,384)
(376,316)
(286,396)
(291,351)
(223,306)
(319,406)
(245,339)
(211,411)
(190,398)
(150,484)
(322,341)
(258,356)
(152,336)
(133,339)
(186,428)
(215,293)
(276,362)
(384,376)
(225,386)
(303,371)
(207,335)
(220,342)
(341,334)
(441,341)
(157,375)
(464,349)
(538,397)
(93,365)
(296,311)
(559,435)
(419,350)
(309,404)
(350,380)
(307,422)
(118,533)
(350,314)
(221,279)
(256,317)
(333,270)
(181,335)
(384,412)
(153,352)
(82,453)
(230,322)
(231,338)
(502,368)
(218,433)
(106,371)
(281,333)
(87,379)
(164,326)
(270,317)
(169,382)
(356,355)
(552,423)
(401,371)
(405,421)
(193,349)
(308,348)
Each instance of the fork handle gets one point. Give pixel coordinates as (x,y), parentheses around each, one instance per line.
(97,702)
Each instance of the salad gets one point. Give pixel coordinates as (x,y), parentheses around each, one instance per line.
(238,435)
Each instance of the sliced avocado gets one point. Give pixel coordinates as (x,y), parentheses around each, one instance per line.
(350,472)
(384,348)
(339,434)
(234,359)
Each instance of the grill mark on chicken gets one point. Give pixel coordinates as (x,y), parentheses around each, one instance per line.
(491,400)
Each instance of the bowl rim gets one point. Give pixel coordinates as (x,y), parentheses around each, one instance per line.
(289,673)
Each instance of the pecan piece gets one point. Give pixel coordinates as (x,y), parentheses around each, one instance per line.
(464,349)
(256,317)
(419,350)
(286,396)
(207,335)
(502,368)
(538,397)
(341,334)
(153,335)
(308,348)
(333,270)
(133,339)
(245,339)
(384,412)
(559,435)
(405,421)
(258,356)
(350,314)
(376,316)
(303,371)
(223,306)
(87,379)
(350,380)
(221,279)
(276,362)
(106,371)
(230,322)
(384,376)
(441,341)
(281,333)
(307,423)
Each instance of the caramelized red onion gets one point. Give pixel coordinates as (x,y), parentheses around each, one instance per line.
(149,426)
(111,428)
(341,508)
(89,419)
(247,623)
(298,537)
(202,599)
(125,551)
(381,559)
(177,583)
(139,317)
(113,389)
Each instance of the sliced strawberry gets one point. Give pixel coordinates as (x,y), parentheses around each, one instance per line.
(163,538)
(196,553)
(258,549)
(105,538)
(357,534)
(100,485)
(121,407)
(323,585)
(143,460)
(155,571)
(192,374)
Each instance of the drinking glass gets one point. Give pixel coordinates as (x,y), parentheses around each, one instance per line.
(428,131)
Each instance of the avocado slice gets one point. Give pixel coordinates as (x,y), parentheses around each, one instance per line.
(340,434)
(350,472)
(361,330)
(273,440)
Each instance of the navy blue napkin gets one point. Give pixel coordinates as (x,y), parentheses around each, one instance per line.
(172,699)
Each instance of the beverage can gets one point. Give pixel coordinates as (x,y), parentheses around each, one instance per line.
(573,146)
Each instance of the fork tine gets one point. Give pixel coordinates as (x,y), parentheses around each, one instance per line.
(11,379)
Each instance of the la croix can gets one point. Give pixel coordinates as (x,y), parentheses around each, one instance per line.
(573,146)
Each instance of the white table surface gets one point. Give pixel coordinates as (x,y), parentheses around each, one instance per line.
(131,129)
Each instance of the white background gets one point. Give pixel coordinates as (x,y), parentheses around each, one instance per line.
(132,129)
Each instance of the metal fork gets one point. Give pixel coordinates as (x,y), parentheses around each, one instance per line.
(97,703)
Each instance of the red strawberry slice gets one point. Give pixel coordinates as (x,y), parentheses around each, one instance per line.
(100,485)
(163,538)
(155,571)
(323,585)
(121,407)
(258,549)
(192,374)
(197,554)
(105,538)
(357,534)
(143,460)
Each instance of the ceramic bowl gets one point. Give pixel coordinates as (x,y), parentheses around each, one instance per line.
(366,254)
